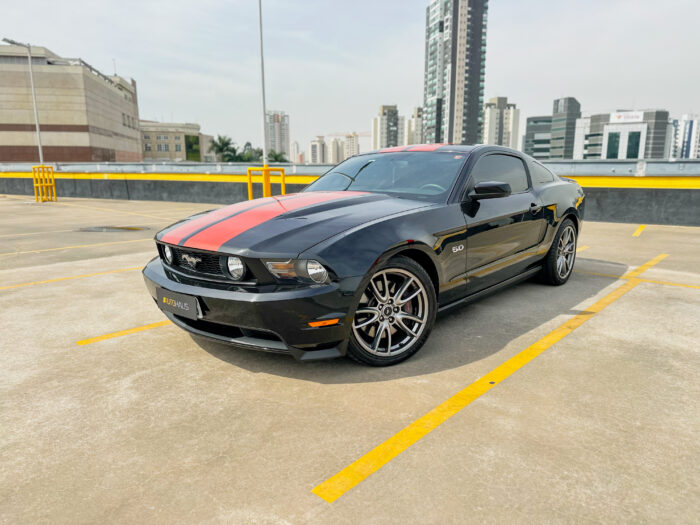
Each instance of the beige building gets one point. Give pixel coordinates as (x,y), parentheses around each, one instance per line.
(174,142)
(84,115)
(501,123)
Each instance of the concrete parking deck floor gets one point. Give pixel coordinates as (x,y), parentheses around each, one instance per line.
(154,426)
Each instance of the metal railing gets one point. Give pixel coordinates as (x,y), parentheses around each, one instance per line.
(44,184)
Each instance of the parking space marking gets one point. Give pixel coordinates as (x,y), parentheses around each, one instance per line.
(77,246)
(644,267)
(122,332)
(581,248)
(639,230)
(70,278)
(337,485)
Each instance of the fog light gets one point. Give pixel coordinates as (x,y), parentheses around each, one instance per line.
(168,254)
(236,268)
(316,271)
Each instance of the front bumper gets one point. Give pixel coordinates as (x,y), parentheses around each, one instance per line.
(273,319)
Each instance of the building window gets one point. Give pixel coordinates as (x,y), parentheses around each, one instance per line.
(613,146)
(146,137)
(178,147)
(178,137)
(123,119)
(163,147)
(633,144)
(162,137)
(147,147)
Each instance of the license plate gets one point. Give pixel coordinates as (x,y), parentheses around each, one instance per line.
(177,303)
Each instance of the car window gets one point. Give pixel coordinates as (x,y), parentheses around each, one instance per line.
(501,168)
(540,175)
(417,175)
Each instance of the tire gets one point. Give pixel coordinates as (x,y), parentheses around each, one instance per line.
(559,262)
(394,315)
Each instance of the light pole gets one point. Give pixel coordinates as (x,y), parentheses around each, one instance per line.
(262,78)
(31,82)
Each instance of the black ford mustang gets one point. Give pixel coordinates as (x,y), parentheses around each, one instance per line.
(360,262)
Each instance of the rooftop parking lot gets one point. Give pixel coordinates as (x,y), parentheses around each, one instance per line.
(569,404)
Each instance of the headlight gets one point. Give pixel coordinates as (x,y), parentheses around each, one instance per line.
(316,271)
(168,254)
(298,269)
(236,268)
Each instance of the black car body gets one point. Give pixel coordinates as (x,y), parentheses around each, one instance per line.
(472,238)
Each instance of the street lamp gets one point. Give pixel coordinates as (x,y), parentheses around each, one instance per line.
(31,81)
(262,78)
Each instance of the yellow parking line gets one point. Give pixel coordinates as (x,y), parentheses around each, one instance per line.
(581,248)
(123,332)
(33,283)
(356,472)
(77,246)
(644,267)
(639,230)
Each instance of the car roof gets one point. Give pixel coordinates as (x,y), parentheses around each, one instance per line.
(446,148)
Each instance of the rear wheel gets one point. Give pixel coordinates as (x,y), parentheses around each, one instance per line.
(395,313)
(559,262)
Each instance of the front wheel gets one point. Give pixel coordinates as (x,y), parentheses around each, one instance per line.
(395,313)
(560,259)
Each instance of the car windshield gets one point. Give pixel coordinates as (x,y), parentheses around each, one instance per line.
(413,175)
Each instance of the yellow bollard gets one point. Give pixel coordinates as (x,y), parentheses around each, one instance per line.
(266,171)
(44,184)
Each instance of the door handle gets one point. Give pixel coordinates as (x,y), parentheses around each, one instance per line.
(534,208)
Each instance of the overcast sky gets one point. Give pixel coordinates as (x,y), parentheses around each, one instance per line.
(330,64)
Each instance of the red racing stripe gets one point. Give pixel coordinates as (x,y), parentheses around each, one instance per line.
(178,233)
(392,150)
(218,234)
(426,147)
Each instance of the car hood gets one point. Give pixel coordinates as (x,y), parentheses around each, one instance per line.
(284,225)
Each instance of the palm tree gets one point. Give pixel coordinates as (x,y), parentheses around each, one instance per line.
(221,147)
(274,156)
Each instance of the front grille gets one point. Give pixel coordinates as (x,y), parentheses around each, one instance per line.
(209,263)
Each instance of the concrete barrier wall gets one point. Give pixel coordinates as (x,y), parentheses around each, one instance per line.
(676,202)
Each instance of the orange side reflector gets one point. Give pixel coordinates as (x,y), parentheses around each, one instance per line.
(327,322)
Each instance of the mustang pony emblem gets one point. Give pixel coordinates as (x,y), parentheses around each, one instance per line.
(191,260)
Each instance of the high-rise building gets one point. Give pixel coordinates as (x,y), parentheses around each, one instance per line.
(501,123)
(413,128)
(277,131)
(385,128)
(335,151)
(455,62)
(565,111)
(581,137)
(538,134)
(84,115)
(174,142)
(686,137)
(317,151)
(592,139)
(352,145)
(295,153)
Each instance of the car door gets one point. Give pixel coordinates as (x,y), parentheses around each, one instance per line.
(501,232)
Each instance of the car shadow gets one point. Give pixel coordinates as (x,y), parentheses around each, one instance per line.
(460,336)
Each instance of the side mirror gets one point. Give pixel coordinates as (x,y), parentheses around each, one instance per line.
(490,190)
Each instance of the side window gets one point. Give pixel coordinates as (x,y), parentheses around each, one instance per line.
(501,168)
(540,175)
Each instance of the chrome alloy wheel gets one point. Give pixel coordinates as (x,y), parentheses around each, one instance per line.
(392,314)
(566,252)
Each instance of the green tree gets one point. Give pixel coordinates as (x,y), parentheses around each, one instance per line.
(251,154)
(274,156)
(221,146)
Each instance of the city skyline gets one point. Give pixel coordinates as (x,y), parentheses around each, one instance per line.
(303,56)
